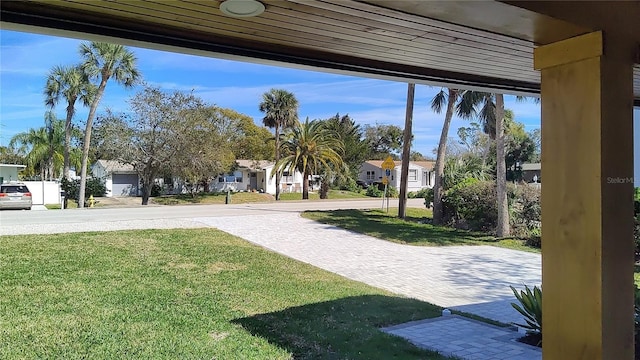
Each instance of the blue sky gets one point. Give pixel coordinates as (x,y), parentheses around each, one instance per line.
(25,60)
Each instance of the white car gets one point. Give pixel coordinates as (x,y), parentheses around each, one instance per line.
(15,196)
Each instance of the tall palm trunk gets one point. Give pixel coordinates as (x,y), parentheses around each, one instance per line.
(440,159)
(305,185)
(501,171)
(67,139)
(51,165)
(406,151)
(277,128)
(87,141)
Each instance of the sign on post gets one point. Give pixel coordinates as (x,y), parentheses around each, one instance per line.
(387,166)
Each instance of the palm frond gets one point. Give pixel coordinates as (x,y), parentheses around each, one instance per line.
(438,101)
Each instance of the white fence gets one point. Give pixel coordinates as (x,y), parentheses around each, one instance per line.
(44,192)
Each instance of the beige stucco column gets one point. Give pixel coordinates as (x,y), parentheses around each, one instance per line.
(587,190)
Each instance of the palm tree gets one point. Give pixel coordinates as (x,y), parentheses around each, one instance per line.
(103,61)
(309,147)
(355,148)
(464,107)
(70,83)
(492,116)
(458,169)
(280,109)
(43,147)
(501,170)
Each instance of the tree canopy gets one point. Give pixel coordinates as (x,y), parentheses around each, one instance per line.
(383,140)
(168,133)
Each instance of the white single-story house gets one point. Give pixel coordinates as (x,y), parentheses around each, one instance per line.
(9,172)
(255,175)
(120,179)
(421,174)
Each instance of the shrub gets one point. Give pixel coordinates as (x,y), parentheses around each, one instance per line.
(350,185)
(94,186)
(530,306)
(373,191)
(156,189)
(428,198)
(378,191)
(471,205)
(421,194)
(534,239)
(525,211)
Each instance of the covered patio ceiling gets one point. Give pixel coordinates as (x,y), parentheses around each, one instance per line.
(468,44)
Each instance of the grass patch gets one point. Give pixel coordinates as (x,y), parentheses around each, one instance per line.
(212,198)
(333,195)
(245,197)
(187,294)
(71,204)
(414,229)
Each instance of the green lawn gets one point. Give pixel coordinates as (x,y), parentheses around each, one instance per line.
(414,230)
(246,197)
(187,294)
(212,198)
(333,194)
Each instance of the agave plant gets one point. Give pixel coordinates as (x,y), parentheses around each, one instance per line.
(530,307)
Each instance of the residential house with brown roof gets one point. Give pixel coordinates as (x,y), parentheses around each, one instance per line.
(255,175)
(421,174)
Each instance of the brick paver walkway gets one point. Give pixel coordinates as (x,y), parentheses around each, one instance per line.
(465,338)
(474,279)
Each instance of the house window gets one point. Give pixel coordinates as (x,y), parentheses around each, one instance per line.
(413,175)
(426,178)
(371,175)
(286,177)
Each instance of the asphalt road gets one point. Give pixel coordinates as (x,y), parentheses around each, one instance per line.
(9,218)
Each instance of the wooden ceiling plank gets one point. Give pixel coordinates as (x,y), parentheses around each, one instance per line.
(430,47)
(370,21)
(425,59)
(23,16)
(363,10)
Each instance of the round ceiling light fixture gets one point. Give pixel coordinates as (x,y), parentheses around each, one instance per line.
(242,8)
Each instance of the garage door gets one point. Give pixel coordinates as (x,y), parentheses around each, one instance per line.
(125,185)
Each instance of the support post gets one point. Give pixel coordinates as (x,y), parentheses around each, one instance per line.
(587,198)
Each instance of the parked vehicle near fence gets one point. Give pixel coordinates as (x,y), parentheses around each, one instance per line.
(15,196)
